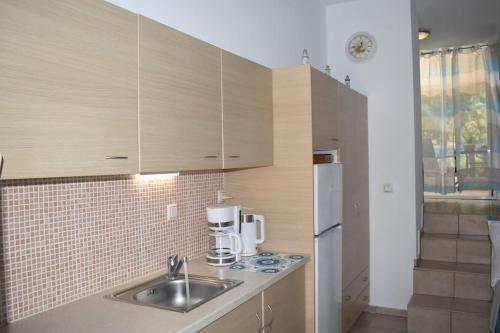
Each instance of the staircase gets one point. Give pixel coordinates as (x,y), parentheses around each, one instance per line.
(451,280)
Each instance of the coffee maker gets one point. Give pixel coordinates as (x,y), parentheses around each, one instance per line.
(225,243)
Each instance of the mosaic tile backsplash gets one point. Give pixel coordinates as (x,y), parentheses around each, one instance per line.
(67,238)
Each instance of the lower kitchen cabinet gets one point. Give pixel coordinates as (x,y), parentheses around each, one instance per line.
(284,305)
(278,309)
(355,299)
(352,309)
(246,318)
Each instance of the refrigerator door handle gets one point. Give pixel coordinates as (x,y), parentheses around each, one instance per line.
(327,230)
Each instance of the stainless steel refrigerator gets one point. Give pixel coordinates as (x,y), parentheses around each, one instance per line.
(328,247)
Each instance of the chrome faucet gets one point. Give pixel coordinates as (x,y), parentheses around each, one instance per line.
(174,265)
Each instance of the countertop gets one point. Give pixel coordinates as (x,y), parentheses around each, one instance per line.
(97,314)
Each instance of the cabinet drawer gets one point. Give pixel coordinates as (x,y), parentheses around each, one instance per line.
(352,309)
(355,287)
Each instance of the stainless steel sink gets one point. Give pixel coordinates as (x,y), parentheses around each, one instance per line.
(172,294)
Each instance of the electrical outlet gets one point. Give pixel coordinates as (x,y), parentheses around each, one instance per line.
(171,212)
(388,188)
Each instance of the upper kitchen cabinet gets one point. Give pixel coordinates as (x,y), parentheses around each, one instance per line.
(180,116)
(68,89)
(324,100)
(247,113)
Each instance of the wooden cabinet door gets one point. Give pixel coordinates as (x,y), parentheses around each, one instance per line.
(180,118)
(247,113)
(68,89)
(354,156)
(284,304)
(324,110)
(246,318)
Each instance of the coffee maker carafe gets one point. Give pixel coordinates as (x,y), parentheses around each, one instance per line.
(225,243)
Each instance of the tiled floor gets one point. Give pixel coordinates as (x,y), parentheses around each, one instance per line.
(376,323)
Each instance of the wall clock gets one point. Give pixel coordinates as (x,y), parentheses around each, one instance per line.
(361,47)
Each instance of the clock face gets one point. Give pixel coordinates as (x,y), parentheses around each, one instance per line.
(361,47)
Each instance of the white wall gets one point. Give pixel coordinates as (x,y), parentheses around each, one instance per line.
(270,32)
(419,178)
(388,81)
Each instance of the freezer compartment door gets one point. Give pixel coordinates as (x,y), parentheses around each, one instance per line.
(328,281)
(327,196)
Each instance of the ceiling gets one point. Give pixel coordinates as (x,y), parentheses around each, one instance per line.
(454,22)
(457,22)
(330,2)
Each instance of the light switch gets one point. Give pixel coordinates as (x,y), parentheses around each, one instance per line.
(388,188)
(171,212)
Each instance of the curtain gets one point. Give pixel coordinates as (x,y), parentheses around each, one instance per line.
(437,123)
(493,102)
(460,119)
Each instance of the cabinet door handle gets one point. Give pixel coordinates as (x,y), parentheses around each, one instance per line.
(365,298)
(234,156)
(334,139)
(347,298)
(1,164)
(365,279)
(269,326)
(117,157)
(357,210)
(211,156)
(272,314)
(260,322)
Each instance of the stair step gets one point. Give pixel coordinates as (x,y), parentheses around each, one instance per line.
(463,224)
(469,249)
(447,314)
(452,280)
(473,225)
(439,247)
(447,206)
(473,249)
(441,223)
(453,266)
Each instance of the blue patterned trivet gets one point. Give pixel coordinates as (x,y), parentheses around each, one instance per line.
(267,262)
